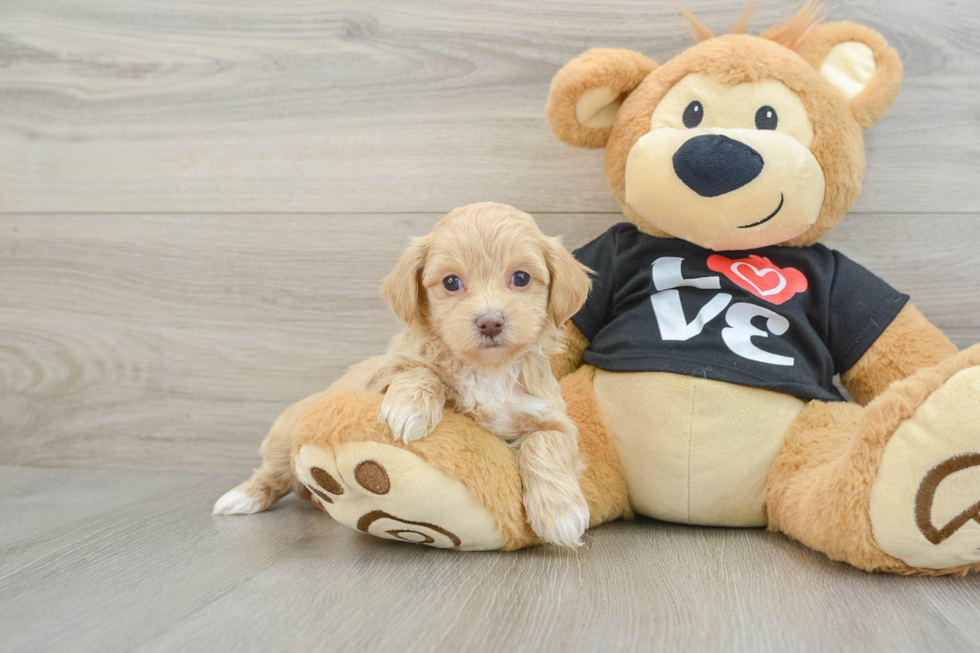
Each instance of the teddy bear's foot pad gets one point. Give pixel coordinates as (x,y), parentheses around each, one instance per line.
(389,492)
(925,502)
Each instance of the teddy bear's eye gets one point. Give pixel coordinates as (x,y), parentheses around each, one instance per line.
(766,118)
(452,283)
(693,115)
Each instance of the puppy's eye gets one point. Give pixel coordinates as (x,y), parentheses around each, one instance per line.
(520,279)
(766,118)
(693,115)
(452,283)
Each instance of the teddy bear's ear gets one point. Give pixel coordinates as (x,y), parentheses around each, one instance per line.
(859,63)
(587,92)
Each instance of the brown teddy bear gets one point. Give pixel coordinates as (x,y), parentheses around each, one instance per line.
(699,371)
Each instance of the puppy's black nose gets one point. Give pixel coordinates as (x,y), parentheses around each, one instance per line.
(713,164)
(490,325)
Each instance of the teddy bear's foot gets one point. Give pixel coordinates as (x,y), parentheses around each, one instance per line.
(925,501)
(456,488)
(391,493)
(893,486)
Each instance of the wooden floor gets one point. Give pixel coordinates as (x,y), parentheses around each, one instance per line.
(198,200)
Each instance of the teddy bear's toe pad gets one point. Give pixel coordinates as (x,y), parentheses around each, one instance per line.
(925,502)
(391,493)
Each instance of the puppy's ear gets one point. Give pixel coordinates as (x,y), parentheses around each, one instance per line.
(859,63)
(570,282)
(402,288)
(587,92)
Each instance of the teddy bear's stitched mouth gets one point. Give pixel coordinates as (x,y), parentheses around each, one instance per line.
(768,217)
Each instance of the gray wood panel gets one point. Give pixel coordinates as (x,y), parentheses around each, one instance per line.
(417,105)
(132,561)
(172,342)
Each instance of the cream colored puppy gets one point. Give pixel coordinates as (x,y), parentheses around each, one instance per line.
(484,297)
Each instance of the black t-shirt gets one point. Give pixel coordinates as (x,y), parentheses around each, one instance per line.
(780,318)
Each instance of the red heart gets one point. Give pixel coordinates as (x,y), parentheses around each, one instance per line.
(760,277)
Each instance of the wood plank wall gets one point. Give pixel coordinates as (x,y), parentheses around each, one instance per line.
(199,200)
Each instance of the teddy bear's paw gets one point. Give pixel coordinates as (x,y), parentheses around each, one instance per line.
(389,492)
(925,501)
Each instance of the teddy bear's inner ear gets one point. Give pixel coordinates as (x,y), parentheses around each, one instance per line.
(859,63)
(587,92)
(849,67)
(597,107)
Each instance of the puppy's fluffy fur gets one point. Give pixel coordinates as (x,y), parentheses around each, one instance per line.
(484,297)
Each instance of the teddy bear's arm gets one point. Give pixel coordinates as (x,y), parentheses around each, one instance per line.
(570,358)
(909,344)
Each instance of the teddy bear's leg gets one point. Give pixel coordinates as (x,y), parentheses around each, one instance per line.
(893,486)
(603,481)
(456,488)
(459,487)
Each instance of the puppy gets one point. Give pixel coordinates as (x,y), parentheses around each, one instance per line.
(484,297)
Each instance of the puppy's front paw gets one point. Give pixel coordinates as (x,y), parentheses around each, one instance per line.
(411,414)
(557,516)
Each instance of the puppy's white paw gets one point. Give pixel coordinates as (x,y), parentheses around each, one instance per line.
(557,519)
(411,416)
(568,530)
(234,502)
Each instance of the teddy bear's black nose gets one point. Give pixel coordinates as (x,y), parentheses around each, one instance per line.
(713,164)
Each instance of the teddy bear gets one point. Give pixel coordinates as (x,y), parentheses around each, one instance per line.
(700,370)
